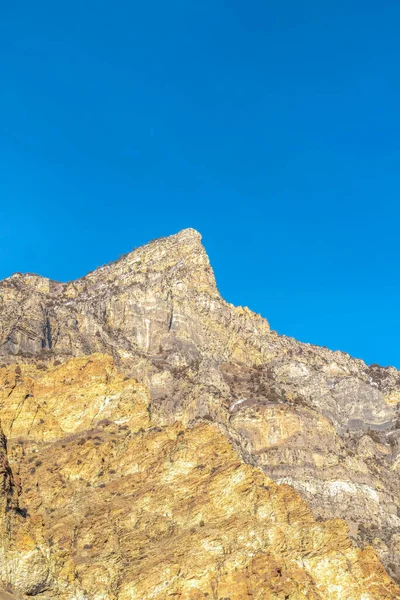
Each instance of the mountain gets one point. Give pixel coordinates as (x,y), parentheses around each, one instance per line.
(159,442)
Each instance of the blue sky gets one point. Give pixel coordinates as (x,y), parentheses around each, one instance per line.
(271,127)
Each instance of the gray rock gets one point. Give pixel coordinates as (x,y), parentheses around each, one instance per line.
(320,420)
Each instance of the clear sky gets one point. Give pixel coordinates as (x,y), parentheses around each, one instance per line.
(271,127)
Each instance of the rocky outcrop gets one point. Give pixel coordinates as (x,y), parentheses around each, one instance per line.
(119,508)
(320,421)
(160,298)
(13,564)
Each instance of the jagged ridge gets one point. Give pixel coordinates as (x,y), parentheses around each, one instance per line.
(319,420)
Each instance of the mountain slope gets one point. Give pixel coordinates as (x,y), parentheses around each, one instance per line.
(105,505)
(318,420)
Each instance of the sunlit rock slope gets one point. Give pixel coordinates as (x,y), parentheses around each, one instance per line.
(106,379)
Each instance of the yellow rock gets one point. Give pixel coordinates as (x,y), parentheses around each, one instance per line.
(113,507)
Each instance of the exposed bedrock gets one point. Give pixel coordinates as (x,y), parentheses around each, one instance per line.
(321,421)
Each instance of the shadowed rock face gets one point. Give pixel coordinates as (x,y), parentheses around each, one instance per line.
(320,421)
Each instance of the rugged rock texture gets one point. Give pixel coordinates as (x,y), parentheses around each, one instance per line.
(317,420)
(112,507)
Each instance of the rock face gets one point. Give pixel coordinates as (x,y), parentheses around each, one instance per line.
(182,485)
(111,506)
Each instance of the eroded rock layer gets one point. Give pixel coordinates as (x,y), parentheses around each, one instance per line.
(320,421)
(100,503)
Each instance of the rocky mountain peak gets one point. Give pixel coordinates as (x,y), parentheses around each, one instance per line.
(319,421)
(188,235)
(108,302)
(179,261)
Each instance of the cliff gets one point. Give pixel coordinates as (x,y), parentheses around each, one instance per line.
(160,442)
